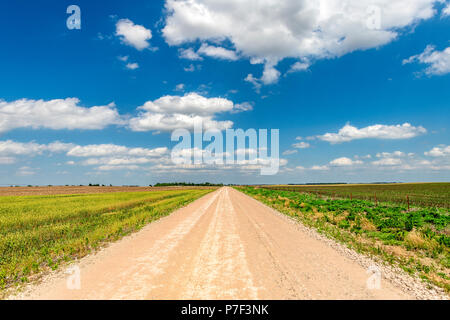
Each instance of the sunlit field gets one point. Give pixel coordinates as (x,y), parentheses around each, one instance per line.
(418,194)
(416,239)
(41,232)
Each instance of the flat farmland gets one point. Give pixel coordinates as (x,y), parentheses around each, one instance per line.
(416,239)
(53,190)
(40,232)
(418,194)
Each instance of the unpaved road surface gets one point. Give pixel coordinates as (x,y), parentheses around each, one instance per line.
(223,246)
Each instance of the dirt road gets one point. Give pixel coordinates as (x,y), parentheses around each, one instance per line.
(223,246)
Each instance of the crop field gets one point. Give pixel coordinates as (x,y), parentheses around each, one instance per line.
(41,232)
(53,190)
(417,240)
(417,194)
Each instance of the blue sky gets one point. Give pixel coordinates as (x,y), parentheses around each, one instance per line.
(371,81)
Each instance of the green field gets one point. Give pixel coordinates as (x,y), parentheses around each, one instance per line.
(418,194)
(417,240)
(41,232)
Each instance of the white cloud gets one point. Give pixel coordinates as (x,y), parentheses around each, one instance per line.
(217,52)
(270,74)
(367,156)
(100,154)
(320,168)
(387,162)
(438,61)
(191,68)
(301,145)
(173,112)
(102,150)
(395,154)
(179,87)
(299,66)
(55,114)
(289,152)
(255,81)
(242,107)
(123,58)
(344,162)
(378,131)
(25,171)
(189,54)
(446,10)
(132,66)
(441,151)
(9,147)
(111,168)
(118,161)
(132,34)
(267,31)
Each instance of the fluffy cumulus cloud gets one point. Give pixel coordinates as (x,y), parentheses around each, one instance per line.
(301,145)
(440,151)
(217,52)
(299,67)
(267,31)
(10,150)
(132,34)
(174,112)
(55,114)
(112,157)
(102,150)
(289,152)
(378,131)
(344,162)
(106,156)
(189,54)
(132,66)
(387,162)
(319,168)
(242,107)
(165,114)
(396,161)
(438,61)
(395,154)
(10,147)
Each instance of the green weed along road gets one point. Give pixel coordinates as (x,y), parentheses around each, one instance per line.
(42,231)
(418,240)
(420,194)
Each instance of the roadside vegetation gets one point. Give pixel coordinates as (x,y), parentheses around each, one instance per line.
(417,194)
(38,233)
(187,184)
(417,240)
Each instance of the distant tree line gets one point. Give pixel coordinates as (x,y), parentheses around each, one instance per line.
(188,184)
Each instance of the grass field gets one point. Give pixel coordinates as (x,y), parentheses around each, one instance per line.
(41,232)
(417,240)
(418,194)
